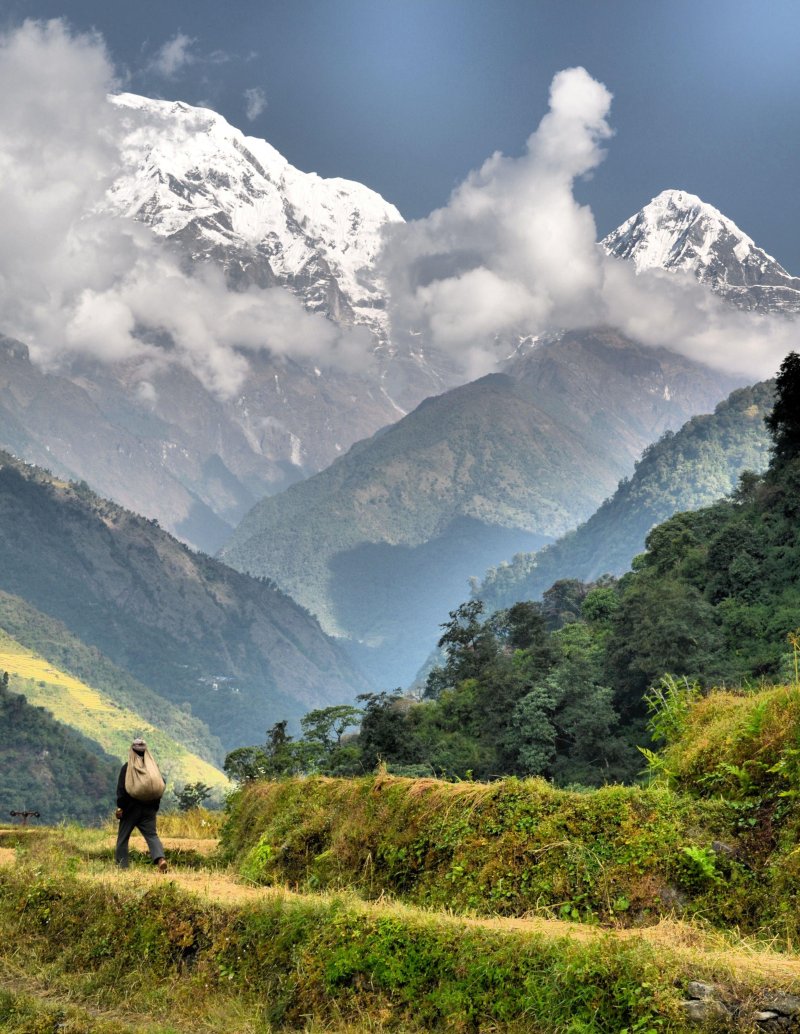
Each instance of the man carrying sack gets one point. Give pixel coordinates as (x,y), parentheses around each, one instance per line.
(140,788)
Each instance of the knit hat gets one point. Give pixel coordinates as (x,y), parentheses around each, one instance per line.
(139,746)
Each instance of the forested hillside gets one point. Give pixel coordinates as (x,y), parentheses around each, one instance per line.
(380,544)
(52,641)
(49,768)
(233,649)
(683,471)
(99,717)
(563,687)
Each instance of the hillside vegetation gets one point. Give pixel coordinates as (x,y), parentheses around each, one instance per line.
(557,688)
(384,540)
(233,649)
(687,470)
(49,768)
(86,949)
(506,848)
(52,641)
(97,717)
(715,835)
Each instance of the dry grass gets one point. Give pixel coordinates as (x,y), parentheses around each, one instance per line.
(95,714)
(203,846)
(715,955)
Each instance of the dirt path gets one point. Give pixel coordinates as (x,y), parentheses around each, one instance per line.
(205,846)
(713,951)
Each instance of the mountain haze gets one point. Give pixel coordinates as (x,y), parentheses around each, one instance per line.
(151,433)
(381,544)
(684,471)
(237,651)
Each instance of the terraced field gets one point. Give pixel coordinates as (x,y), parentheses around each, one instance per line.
(87,948)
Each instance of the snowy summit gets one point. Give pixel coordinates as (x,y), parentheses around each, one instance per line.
(678,231)
(198,181)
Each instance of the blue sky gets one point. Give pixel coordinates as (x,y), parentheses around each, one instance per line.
(409,95)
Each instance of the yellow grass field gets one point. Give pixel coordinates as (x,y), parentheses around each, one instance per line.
(97,716)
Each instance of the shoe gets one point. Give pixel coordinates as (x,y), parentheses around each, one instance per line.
(162,865)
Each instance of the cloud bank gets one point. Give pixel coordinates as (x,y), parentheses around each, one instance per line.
(514,254)
(78,281)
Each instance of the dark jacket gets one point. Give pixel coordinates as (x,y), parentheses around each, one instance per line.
(124,799)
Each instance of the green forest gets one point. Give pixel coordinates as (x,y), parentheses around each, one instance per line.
(563,687)
(48,767)
(687,470)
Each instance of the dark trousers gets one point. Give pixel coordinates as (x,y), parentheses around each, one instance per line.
(141,818)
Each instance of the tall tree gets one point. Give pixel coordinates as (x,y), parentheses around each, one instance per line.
(784,420)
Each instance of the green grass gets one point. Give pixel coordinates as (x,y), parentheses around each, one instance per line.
(511,847)
(285,960)
(97,716)
(85,948)
(730,777)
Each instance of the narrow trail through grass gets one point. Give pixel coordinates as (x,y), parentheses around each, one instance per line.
(728,957)
(689,950)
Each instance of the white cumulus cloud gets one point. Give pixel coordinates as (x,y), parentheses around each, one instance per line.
(513,253)
(76,280)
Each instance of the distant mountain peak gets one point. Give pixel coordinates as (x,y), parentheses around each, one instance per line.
(679,231)
(200,182)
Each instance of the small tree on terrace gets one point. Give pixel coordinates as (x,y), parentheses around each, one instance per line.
(192,796)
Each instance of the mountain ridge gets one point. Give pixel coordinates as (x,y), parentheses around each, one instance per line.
(679,232)
(684,471)
(532,451)
(236,650)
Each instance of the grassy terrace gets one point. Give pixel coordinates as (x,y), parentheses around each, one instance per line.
(86,948)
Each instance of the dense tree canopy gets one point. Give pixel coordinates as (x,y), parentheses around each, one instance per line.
(784,420)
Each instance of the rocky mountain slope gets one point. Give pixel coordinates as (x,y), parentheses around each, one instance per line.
(236,651)
(677,231)
(155,438)
(684,471)
(225,197)
(380,545)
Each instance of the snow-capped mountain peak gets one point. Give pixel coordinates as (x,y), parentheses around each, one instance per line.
(198,181)
(679,231)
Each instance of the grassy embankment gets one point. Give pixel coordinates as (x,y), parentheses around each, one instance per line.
(97,716)
(210,949)
(715,835)
(85,948)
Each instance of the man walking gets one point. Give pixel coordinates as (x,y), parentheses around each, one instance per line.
(139,790)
